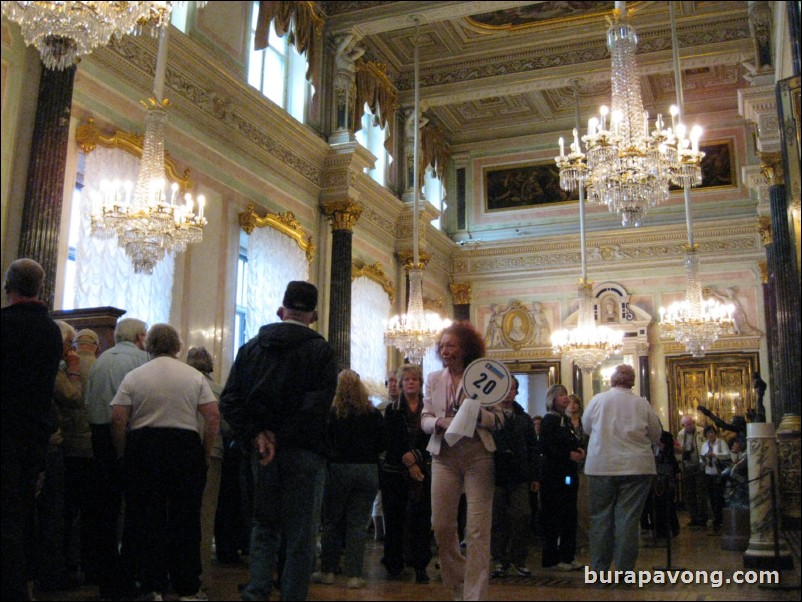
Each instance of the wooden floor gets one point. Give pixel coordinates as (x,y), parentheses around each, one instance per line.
(692,550)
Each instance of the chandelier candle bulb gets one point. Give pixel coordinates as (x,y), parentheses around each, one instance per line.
(562,147)
(201,206)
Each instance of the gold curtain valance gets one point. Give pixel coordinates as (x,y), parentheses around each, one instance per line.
(374,87)
(376,273)
(88,136)
(306,36)
(284,223)
(434,150)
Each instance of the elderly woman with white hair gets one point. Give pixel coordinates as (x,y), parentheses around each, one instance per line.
(620,465)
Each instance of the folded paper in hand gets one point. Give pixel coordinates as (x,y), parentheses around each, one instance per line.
(464,422)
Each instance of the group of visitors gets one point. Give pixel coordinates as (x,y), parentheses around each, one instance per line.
(138,424)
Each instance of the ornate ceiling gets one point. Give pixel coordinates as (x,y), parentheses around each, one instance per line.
(501,70)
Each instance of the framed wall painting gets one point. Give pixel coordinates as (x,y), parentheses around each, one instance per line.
(523,185)
(718,165)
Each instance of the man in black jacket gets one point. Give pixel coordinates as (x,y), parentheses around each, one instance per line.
(278,397)
(511,509)
(32,350)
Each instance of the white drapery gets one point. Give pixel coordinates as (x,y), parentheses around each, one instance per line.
(274,259)
(370,308)
(104,275)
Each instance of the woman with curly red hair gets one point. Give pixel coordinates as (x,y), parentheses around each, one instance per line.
(467,466)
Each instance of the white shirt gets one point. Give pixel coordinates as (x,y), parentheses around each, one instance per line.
(164,393)
(622,428)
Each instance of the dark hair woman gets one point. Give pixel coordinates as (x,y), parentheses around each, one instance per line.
(467,466)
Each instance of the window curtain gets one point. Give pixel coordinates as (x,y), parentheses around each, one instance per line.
(274,259)
(435,151)
(104,274)
(374,88)
(306,35)
(370,309)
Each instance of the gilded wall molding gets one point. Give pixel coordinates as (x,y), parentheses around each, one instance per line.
(284,223)
(376,273)
(764,271)
(764,227)
(88,136)
(771,166)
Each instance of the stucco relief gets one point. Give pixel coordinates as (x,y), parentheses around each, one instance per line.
(516,326)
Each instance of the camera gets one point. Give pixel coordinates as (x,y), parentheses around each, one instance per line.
(686,455)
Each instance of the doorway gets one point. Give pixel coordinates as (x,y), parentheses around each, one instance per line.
(534,380)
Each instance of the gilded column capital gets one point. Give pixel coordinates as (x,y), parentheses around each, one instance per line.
(764,227)
(343,214)
(406,258)
(771,166)
(764,271)
(461,291)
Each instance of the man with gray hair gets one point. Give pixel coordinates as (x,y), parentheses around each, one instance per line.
(105,503)
(32,351)
(620,465)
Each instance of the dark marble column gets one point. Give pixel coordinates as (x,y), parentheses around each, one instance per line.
(461,291)
(343,216)
(793,30)
(644,377)
(785,397)
(578,383)
(44,191)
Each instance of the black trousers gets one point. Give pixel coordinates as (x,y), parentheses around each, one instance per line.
(407,520)
(558,502)
(164,473)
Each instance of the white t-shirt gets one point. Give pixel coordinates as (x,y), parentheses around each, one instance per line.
(622,427)
(164,393)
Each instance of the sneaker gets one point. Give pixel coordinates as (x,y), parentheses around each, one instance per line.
(322,577)
(500,571)
(199,595)
(563,566)
(523,570)
(575,565)
(356,583)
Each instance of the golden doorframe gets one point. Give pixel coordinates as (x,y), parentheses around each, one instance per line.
(720,382)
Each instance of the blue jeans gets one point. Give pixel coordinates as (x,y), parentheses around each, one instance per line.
(347,499)
(616,503)
(285,495)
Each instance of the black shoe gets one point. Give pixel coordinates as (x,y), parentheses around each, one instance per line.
(394,572)
(421,576)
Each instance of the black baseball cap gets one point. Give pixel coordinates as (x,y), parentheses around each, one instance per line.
(300,296)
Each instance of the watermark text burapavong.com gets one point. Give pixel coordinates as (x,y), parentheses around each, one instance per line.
(680,577)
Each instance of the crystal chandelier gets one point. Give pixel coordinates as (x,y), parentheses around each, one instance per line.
(64,31)
(695,322)
(148,220)
(625,166)
(587,345)
(416,331)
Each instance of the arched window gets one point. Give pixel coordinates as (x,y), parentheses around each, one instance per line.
(371,303)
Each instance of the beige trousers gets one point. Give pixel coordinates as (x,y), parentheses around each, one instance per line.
(467,467)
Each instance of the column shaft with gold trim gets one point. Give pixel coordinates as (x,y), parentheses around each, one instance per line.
(44,191)
(461,291)
(343,216)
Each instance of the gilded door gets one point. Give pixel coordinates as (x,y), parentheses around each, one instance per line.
(720,382)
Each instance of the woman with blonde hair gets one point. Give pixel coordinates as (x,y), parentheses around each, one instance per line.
(406,480)
(354,439)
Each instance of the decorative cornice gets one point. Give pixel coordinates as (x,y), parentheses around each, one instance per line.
(764,227)
(771,166)
(88,136)
(376,273)
(734,343)
(283,222)
(461,291)
(343,214)
(213,100)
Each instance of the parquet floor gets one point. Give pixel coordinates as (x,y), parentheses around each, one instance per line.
(691,550)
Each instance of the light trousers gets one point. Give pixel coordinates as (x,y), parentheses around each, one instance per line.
(616,503)
(208,512)
(467,467)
